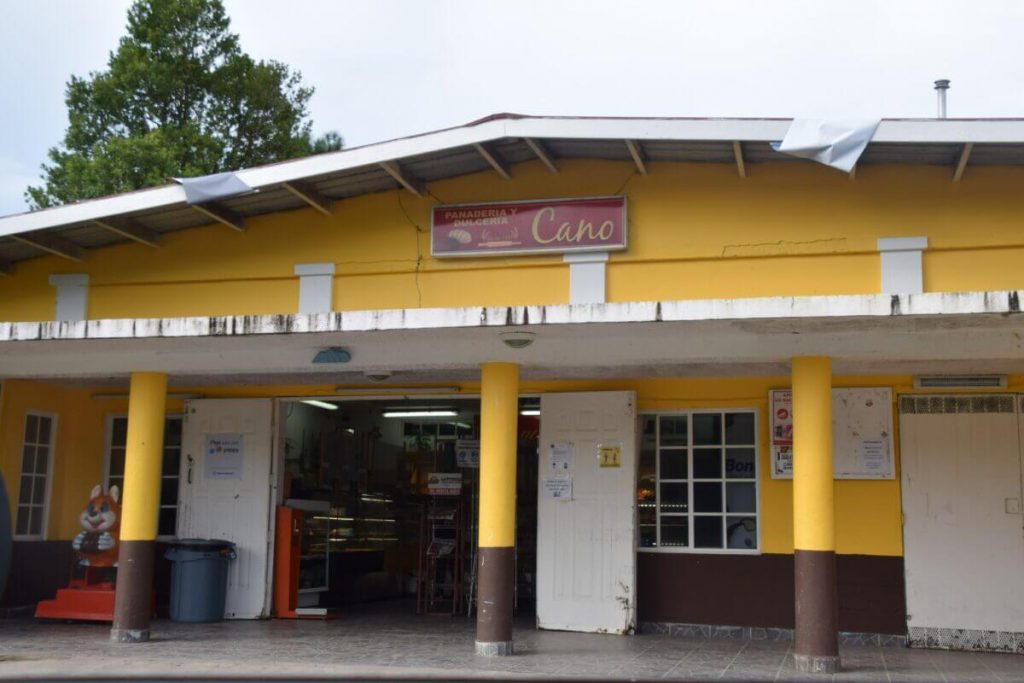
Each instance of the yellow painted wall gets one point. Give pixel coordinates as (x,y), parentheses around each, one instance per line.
(695,230)
(867,512)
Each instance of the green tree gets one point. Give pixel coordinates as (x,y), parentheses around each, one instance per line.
(178,98)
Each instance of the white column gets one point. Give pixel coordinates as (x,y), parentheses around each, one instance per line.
(902,272)
(72,296)
(587,277)
(316,287)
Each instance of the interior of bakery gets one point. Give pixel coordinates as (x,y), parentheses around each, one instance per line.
(379,506)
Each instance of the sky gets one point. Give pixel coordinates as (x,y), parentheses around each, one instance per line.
(387,68)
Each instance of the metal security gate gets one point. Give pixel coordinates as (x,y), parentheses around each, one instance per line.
(962,523)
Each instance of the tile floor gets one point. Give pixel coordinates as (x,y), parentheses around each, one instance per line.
(388,645)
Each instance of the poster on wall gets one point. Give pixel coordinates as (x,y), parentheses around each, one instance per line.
(224,453)
(467,453)
(557,488)
(861,433)
(560,457)
(444,483)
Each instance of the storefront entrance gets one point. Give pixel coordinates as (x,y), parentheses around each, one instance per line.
(964,546)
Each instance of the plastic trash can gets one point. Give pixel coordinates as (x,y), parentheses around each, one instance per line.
(199,578)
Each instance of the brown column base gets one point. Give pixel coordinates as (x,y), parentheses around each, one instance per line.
(816,642)
(495,585)
(133,599)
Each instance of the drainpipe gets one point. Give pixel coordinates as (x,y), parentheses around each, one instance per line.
(941,86)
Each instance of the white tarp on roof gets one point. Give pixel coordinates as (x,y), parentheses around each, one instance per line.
(208,188)
(838,144)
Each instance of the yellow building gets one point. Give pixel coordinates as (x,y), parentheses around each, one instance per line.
(655,288)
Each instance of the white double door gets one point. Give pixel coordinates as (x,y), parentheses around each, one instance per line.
(230,495)
(962,524)
(586,553)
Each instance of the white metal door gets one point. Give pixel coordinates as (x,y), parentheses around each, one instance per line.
(231,499)
(586,555)
(963,542)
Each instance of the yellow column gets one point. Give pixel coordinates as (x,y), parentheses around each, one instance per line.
(140,506)
(499,418)
(816,646)
(813,498)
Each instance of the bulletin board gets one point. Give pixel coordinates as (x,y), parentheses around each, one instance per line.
(862,435)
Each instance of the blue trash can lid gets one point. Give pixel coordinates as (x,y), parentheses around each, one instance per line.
(202,544)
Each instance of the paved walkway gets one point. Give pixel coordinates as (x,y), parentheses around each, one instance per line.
(395,647)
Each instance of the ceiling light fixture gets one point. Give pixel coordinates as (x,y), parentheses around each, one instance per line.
(530,412)
(517,340)
(420,413)
(392,391)
(332,355)
(321,404)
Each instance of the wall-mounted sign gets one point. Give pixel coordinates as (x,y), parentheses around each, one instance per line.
(609,455)
(467,453)
(444,483)
(560,458)
(223,456)
(554,225)
(557,488)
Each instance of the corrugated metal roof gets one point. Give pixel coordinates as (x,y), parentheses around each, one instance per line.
(453,152)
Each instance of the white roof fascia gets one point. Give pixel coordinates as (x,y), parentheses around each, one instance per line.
(725,130)
(998,303)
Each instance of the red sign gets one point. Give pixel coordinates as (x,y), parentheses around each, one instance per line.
(556,225)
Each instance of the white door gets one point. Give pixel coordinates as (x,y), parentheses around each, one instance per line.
(586,557)
(226,491)
(963,542)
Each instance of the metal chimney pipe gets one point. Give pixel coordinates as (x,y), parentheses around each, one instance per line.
(941,86)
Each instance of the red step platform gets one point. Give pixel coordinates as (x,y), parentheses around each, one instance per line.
(80,601)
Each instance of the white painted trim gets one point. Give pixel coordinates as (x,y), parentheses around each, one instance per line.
(316,287)
(902,243)
(530,317)
(902,271)
(72,296)
(587,274)
(952,131)
(49,478)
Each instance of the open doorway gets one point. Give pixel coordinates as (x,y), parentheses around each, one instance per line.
(379,505)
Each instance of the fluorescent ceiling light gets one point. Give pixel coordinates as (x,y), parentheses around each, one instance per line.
(391,391)
(530,412)
(321,404)
(420,413)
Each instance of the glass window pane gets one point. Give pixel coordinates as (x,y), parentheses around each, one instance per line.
(645,470)
(740,463)
(172,461)
(739,429)
(446,430)
(35,523)
(740,498)
(707,532)
(39,490)
(707,497)
(119,432)
(116,462)
(707,463)
(172,431)
(167,524)
(648,537)
(673,430)
(675,532)
(42,459)
(707,429)
(28,460)
(45,427)
(674,498)
(647,524)
(673,464)
(741,532)
(645,491)
(169,491)
(25,490)
(31,428)
(21,526)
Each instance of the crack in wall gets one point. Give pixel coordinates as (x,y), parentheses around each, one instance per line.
(759,248)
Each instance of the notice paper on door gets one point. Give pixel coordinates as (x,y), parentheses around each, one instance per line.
(873,454)
(557,488)
(223,456)
(561,457)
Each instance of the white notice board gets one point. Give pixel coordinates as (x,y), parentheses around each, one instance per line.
(862,443)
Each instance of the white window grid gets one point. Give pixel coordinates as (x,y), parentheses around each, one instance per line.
(35,481)
(691,514)
(173,478)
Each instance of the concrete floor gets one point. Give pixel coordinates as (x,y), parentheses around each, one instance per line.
(398,646)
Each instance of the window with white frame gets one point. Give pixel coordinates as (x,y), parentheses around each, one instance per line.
(36,464)
(697,481)
(116,446)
